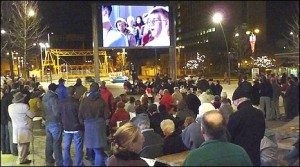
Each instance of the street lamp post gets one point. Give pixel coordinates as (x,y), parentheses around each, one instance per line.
(48,35)
(42,45)
(180,47)
(123,53)
(217,18)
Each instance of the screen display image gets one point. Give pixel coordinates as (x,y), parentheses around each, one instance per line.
(134,26)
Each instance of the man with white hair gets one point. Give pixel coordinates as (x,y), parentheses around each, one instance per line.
(158,20)
(172,140)
(152,139)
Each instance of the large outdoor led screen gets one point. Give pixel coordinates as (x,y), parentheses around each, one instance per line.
(126,26)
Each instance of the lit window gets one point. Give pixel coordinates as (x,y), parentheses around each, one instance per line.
(178,14)
(179,29)
(209,30)
(206,40)
(177,39)
(178,6)
(213,29)
(203,32)
(200,33)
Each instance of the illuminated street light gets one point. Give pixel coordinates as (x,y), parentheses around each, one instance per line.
(3,31)
(48,35)
(31,13)
(45,46)
(237,34)
(180,47)
(217,18)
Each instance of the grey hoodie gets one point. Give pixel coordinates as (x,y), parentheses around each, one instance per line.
(50,106)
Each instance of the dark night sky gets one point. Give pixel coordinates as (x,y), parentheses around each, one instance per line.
(75,17)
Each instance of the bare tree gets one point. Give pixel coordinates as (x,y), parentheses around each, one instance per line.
(24,28)
(293,34)
(240,42)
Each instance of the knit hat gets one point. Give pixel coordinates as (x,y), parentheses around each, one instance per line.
(18,97)
(148,90)
(204,107)
(239,93)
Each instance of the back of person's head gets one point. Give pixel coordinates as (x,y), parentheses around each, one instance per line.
(217,98)
(103,83)
(124,137)
(213,124)
(245,77)
(137,103)
(166,91)
(52,87)
(71,90)
(94,87)
(167,126)
(140,109)
(131,99)
(162,108)
(144,124)
(120,104)
(152,108)
(15,85)
(78,81)
(108,8)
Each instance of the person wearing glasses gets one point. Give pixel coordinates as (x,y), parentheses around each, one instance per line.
(111,36)
(158,20)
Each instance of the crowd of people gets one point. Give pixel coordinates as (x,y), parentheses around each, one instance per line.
(169,117)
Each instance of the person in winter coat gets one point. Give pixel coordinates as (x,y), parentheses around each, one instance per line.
(127,142)
(172,140)
(167,100)
(80,89)
(68,111)
(21,118)
(53,127)
(192,102)
(266,93)
(5,138)
(255,92)
(93,113)
(61,90)
(275,98)
(119,115)
(106,95)
(246,126)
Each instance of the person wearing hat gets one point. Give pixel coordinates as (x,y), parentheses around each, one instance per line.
(247,125)
(5,102)
(53,127)
(111,36)
(61,90)
(21,118)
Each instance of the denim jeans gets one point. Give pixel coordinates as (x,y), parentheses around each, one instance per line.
(100,157)
(5,146)
(78,141)
(54,143)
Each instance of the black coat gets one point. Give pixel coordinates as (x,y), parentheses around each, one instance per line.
(255,93)
(247,128)
(193,102)
(246,87)
(173,144)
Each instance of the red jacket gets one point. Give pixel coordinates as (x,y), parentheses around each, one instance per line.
(119,115)
(107,97)
(167,100)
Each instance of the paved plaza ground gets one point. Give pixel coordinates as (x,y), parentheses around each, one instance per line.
(285,130)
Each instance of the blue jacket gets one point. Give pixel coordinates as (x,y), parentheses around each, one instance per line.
(61,91)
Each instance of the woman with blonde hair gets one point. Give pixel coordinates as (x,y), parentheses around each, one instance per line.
(127,142)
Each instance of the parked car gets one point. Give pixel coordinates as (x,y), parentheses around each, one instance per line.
(119,79)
